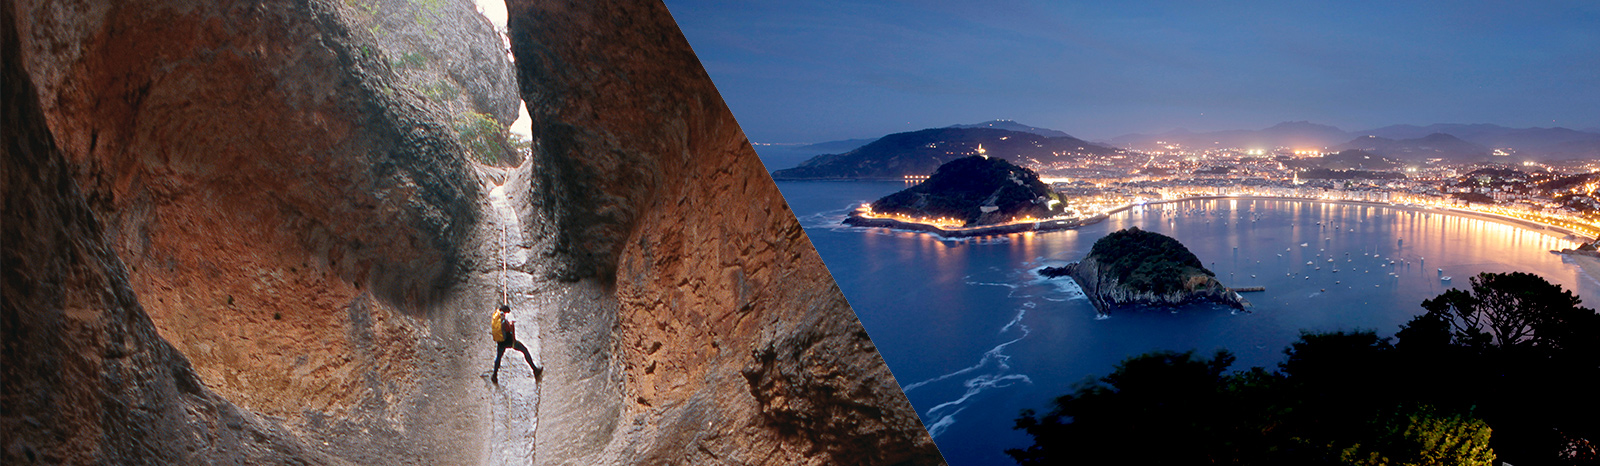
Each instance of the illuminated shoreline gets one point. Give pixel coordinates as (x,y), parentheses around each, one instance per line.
(856,219)
(1525,224)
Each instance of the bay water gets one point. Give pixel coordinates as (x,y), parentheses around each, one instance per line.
(974,335)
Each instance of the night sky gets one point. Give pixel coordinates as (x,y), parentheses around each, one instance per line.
(810,71)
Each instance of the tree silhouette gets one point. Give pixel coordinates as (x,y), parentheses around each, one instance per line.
(1512,311)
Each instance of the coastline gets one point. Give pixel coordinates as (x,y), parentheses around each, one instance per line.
(1588,261)
(1516,222)
(1057,225)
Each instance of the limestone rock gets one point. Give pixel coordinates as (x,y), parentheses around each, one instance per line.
(699,324)
(87,380)
(444,50)
(291,215)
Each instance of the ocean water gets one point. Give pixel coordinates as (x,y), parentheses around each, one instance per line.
(974,335)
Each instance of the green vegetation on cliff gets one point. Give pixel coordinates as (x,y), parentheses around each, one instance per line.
(486,140)
(1147,261)
(965,188)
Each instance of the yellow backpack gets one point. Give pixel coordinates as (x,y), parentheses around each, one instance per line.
(497,327)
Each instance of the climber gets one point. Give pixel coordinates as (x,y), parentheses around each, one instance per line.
(504,331)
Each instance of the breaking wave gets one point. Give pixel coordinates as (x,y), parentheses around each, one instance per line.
(989,373)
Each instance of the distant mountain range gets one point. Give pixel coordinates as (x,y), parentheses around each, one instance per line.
(1010,125)
(920,152)
(834,147)
(845,145)
(1436,145)
(1299,134)
(1456,142)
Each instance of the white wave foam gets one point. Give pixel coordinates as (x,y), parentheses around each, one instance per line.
(938,427)
(974,386)
(1015,320)
(1066,286)
(828,219)
(993,356)
(978,385)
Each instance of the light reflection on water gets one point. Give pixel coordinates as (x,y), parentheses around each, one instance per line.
(973,332)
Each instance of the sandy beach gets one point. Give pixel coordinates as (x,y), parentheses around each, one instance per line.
(1589,264)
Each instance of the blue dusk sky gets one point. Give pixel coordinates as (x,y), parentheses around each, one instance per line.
(811,71)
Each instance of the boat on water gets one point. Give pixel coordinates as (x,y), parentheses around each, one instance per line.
(1444,279)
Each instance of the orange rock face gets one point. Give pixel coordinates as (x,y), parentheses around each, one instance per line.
(86,378)
(231,236)
(700,325)
(289,216)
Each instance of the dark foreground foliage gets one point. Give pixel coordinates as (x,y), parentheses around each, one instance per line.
(1504,372)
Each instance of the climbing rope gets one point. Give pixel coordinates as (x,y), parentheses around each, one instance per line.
(505,270)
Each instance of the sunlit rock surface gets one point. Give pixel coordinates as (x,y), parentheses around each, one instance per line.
(86,378)
(253,242)
(699,325)
(292,218)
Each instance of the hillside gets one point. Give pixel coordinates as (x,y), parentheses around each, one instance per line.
(1352,159)
(1537,143)
(919,153)
(1436,145)
(1010,125)
(1296,134)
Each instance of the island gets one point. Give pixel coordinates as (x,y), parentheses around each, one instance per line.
(973,196)
(1137,268)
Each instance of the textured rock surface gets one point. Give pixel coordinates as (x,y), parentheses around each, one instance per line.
(86,378)
(444,50)
(697,324)
(1107,294)
(302,228)
(293,218)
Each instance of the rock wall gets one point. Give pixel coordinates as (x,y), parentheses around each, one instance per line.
(293,218)
(444,50)
(698,324)
(86,379)
(1103,290)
